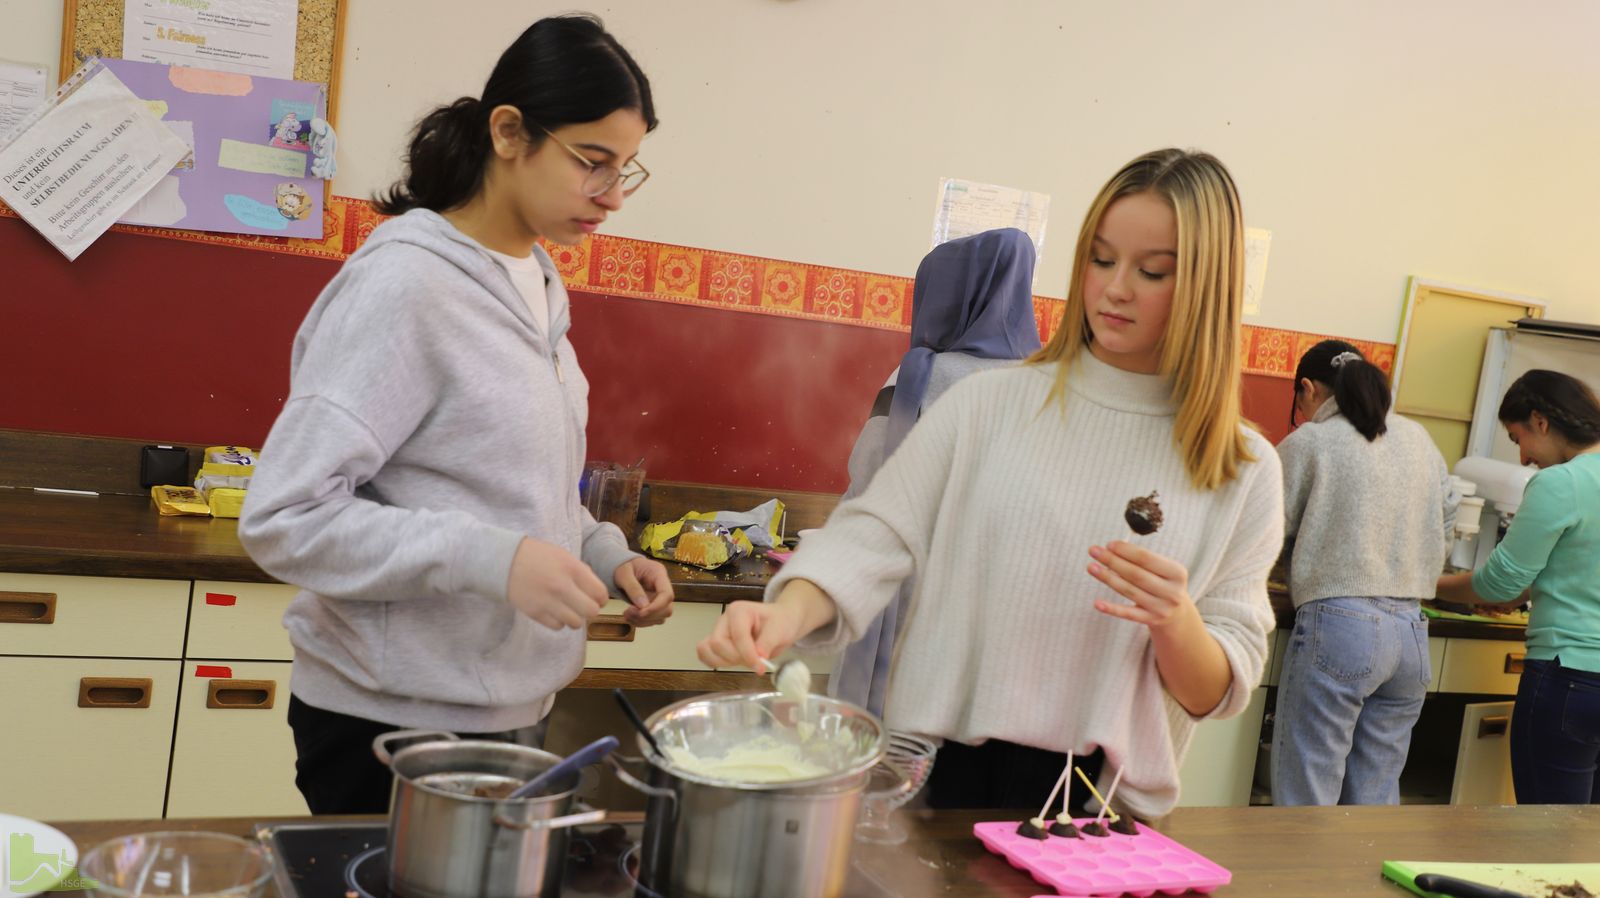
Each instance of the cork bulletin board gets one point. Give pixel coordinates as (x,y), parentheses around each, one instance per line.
(94,28)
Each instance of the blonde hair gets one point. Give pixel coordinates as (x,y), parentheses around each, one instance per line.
(1200,349)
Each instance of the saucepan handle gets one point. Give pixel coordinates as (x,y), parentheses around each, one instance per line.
(380,745)
(638,785)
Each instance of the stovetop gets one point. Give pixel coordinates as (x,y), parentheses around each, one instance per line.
(316,860)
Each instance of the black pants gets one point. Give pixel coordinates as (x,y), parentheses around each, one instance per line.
(1005,775)
(335,768)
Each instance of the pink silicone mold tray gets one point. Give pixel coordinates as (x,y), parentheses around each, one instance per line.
(1139,865)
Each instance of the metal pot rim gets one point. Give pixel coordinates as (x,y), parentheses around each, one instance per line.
(815,785)
(415,783)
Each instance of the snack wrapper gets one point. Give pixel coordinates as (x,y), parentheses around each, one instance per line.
(696,540)
(172,500)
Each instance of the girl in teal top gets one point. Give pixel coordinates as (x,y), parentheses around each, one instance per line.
(1551,550)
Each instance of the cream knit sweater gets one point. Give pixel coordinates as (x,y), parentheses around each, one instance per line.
(994,500)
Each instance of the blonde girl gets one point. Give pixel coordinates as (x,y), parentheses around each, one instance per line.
(1037,625)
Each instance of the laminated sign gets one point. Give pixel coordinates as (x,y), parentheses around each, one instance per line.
(84,158)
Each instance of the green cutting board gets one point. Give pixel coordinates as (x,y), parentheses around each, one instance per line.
(1517,619)
(1530,879)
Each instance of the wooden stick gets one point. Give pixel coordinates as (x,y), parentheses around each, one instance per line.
(1059,781)
(1105,806)
(1086,782)
(1066,796)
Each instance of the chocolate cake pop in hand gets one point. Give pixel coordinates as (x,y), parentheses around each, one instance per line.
(1032,829)
(1143,514)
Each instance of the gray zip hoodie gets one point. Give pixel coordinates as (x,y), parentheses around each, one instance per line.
(429,428)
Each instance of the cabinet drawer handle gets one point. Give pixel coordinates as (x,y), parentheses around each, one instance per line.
(115,692)
(241,695)
(27,607)
(611,628)
(1514,662)
(1493,726)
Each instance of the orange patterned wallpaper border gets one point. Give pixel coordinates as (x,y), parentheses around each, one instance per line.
(664,272)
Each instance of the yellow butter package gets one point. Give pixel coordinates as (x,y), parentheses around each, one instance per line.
(230,455)
(225,502)
(179,500)
(214,474)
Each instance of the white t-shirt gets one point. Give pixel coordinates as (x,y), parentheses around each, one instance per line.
(528,277)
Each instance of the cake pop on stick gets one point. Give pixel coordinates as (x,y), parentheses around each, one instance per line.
(1096,828)
(1063,823)
(1105,806)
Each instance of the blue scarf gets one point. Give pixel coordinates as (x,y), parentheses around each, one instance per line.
(973,295)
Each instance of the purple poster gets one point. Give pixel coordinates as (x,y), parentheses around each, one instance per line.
(253,145)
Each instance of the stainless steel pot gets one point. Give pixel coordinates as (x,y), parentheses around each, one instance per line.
(712,838)
(449,837)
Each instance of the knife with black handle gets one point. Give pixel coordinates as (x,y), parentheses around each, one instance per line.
(1461,888)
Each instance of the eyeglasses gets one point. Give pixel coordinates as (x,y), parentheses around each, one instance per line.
(602,177)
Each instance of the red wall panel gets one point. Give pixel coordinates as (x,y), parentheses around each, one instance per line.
(163,339)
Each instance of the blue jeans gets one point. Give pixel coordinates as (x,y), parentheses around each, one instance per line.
(1352,687)
(1555,735)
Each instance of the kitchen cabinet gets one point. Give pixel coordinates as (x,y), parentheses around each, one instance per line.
(233,753)
(144,698)
(1483,756)
(1481,666)
(616,644)
(86,738)
(88,692)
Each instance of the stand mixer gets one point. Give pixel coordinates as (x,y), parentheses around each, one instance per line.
(1492,492)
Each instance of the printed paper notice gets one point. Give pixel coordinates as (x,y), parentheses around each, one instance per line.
(87,161)
(252,37)
(966,208)
(1257,241)
(21,91)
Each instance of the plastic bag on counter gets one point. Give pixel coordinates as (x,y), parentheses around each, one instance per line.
(696,540)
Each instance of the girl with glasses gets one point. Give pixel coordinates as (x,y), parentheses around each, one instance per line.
(421,483)
(1037,623)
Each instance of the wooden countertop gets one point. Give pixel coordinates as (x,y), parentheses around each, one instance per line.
(113,535)
(124,536)
(1289,852)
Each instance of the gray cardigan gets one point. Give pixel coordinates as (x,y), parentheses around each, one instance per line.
(1367,518)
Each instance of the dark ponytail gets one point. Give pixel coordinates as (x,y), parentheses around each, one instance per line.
(1360,387)
(562,70)
(1566,402)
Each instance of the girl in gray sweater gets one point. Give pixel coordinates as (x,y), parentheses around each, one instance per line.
(421,482)
(1369,506)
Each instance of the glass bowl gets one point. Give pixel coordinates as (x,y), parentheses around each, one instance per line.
(176,863)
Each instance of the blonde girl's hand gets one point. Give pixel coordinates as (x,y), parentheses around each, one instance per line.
(749,633)
(1157,586)
(648,589)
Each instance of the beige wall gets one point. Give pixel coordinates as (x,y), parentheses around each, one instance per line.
(1455,139)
